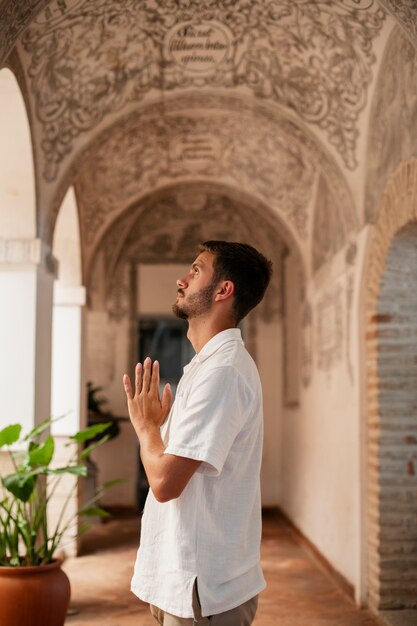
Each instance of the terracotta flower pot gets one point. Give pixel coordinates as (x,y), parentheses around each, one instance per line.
(34,596)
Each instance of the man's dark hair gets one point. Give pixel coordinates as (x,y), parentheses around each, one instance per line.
(247,268)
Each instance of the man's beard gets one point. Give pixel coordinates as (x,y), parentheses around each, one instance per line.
(196,305)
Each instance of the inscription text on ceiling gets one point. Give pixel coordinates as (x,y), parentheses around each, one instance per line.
(198,47)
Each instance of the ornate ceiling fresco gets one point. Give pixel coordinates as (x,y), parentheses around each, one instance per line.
(86,59)
(207,144)
(393,130)
(270,98)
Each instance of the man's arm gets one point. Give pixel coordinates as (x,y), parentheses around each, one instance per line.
(167,474)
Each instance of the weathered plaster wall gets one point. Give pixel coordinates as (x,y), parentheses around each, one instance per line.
(321,483)
(269,361)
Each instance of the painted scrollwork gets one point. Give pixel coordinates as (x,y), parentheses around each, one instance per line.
(15,15)
(90,59)
(332,225)
(160,150)
(405,12)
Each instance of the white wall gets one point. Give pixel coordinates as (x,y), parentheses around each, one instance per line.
(321,489)
(18,312)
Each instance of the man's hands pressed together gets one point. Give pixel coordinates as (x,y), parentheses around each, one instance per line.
(167,474)
(146,408)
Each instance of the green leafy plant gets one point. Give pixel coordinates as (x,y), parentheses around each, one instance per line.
(26,537)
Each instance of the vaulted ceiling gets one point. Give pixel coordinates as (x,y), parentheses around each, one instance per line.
(281,104)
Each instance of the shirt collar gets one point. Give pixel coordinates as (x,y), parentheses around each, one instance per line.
(216,342)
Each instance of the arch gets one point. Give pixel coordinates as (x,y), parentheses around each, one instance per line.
(275,157)
(17,176)
(115,235)
(66,242)
(397,212)
(143,150)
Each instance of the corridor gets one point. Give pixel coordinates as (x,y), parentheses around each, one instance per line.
(299,593)
(133,131)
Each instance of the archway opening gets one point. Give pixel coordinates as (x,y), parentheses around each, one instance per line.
(151,242)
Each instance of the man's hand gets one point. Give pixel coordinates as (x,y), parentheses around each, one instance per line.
(146,408)
(168,474)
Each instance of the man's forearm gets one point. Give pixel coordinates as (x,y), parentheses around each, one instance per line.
(153,458)
(167,474)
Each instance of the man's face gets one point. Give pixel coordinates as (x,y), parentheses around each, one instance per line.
(196,289)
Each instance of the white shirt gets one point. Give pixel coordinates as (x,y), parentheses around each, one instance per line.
(213,530)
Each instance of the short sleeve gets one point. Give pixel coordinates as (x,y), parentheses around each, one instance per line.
(209,420)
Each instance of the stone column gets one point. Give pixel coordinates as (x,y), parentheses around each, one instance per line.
(27,271)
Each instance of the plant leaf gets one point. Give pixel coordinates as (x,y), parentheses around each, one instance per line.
(83,529)
(42,454)
(21,485)
(77,470)
(10,435)
(94,511)
(111,483)
(84,454)
(90,432)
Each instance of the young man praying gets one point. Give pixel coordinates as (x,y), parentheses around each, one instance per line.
(198,560)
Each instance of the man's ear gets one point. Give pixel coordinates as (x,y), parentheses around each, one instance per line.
(224,291)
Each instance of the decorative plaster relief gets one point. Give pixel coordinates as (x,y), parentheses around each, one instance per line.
(350,260)
(405,13)
(87,59)
(15,15)
(329,328)
(393,129)
(118,298)
(332,225)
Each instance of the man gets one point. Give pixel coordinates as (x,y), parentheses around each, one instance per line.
(198,560)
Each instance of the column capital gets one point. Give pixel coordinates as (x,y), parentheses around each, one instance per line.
(18,252)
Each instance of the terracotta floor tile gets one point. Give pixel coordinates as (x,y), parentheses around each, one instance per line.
(299,593)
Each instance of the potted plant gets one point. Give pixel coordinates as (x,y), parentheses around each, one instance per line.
(34,590)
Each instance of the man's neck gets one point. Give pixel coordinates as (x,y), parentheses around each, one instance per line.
(201,330)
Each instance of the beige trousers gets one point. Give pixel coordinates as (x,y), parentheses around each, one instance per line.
(242,615)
